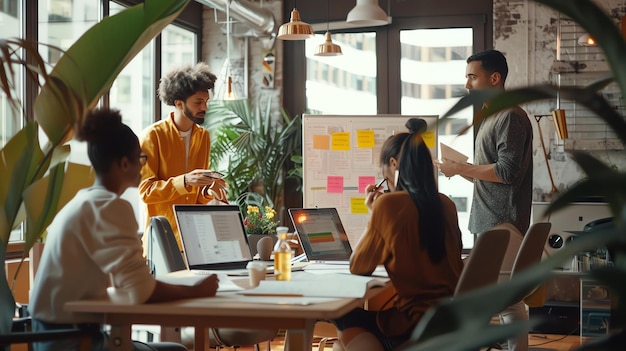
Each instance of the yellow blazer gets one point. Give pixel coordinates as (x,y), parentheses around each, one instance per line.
(162,178)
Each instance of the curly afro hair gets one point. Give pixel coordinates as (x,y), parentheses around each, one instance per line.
(181,83)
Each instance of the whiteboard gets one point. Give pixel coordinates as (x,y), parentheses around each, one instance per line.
(340,157)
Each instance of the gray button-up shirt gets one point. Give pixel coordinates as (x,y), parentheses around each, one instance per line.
(504,139)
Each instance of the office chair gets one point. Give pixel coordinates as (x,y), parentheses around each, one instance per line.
(532,247)
(164,257)
(522,252)
(481,269)
(22,333)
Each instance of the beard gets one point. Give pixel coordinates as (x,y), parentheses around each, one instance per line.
(198,119)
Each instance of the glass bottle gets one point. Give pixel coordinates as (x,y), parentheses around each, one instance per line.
(282,255)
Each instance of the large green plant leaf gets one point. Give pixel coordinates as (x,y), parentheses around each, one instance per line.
(16,169)
(58,188)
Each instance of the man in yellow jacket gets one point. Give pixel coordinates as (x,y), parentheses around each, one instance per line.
(177,149)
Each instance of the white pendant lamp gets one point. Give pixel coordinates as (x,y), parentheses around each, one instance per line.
(229,89)
(367,13)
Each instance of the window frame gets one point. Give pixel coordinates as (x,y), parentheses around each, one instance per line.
(190,19)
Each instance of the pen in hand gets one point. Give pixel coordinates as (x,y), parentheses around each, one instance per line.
(379,184)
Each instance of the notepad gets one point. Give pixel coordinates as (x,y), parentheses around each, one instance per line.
(451,154)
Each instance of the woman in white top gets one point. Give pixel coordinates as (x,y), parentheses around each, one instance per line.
(92,243)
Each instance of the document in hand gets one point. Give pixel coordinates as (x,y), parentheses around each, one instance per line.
(318,285)
(451,154)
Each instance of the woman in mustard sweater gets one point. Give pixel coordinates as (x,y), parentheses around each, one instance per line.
(414,233)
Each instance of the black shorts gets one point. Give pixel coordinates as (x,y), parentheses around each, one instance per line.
(360,318)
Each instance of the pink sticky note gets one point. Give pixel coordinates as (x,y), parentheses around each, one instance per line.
(334,184)
(364,181)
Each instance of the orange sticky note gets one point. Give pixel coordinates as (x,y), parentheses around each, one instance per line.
(334,184)
(340,141)
(365,139)
(357,205)
(321,142)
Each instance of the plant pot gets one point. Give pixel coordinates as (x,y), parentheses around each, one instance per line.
(253,239)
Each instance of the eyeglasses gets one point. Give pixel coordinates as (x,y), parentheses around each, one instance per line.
(143,159)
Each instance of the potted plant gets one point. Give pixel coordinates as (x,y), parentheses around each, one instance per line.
(463,323)
(36,180)
(256,151)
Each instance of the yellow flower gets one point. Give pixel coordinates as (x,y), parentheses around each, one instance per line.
(260,220)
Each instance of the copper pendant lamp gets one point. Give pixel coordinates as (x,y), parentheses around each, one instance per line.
(328,48)
(295,29)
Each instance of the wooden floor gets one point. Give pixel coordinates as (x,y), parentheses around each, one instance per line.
(536,342)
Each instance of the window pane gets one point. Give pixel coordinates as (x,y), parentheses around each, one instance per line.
(342,84)
(178,48)
(133,91)
(432,74)
(62,22)
(11,120)
(10,24)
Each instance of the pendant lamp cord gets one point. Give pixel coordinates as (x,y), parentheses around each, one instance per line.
(328,16)
(228,31)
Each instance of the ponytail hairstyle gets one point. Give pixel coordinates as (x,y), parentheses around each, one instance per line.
(416,176)
(108,139)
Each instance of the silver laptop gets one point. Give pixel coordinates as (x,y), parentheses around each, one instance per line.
(321,235)
(213,237)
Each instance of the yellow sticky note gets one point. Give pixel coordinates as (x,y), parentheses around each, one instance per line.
(365,139)
(429,138)
(321,142)
(357,205)
(340,141)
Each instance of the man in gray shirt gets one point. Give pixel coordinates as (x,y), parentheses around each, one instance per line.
(503,169)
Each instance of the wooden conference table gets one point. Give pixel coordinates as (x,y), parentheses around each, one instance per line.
(295,314)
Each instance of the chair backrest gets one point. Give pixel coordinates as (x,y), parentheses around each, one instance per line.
(163,253)
(532,246)
(482,267)
(512,249)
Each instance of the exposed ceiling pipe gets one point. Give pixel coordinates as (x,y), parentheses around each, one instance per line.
(260,21)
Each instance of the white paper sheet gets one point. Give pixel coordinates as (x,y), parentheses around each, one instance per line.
(188,278)
(317,285)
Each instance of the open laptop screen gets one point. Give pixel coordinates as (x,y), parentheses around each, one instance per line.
(213,236)
(321,233)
